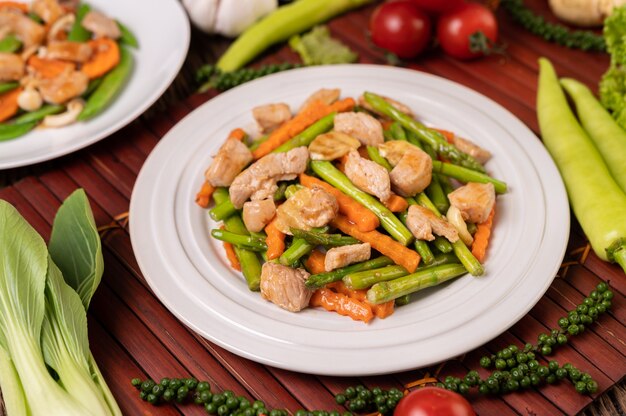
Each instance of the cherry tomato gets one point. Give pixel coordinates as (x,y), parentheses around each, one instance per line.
(438,6)
(400,27)
(433,401)
(468,31)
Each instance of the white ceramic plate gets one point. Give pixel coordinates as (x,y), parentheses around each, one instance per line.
(188,271)
(162,29)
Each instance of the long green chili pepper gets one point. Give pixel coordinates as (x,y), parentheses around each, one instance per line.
(111,85)
(10,44)
(250,264)
(597,200)
(126,36)
(78,33)
(38,115)
(315,281)
(11,131)
(8,86)
(308,135)
(279,26)
(244,241)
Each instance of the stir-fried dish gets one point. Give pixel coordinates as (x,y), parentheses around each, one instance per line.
(349,205)
(60,62)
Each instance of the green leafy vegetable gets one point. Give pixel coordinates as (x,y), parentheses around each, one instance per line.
(318,48)
(612,86)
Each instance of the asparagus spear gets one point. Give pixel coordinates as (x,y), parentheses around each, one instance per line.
(307,136)
(467,175)
(316,281)
(323,239)
(243,241)
(299,247)
(426,135)
(222,210)
(421,279)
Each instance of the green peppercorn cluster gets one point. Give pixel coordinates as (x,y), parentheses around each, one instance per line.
(559,34)
(359,399)
(516,369)
(210,76)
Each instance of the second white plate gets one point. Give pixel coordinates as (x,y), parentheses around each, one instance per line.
(188,272)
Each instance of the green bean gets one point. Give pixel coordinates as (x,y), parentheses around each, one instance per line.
(250,264)
(243,241)
(316,281)
(323,239)
(375,155)
(11,131)
(126,36)
(38,115)
(308,135)
(78,33)
(280,25)
(596,199)
(436,194)
(8,86)
(111,85)
(92,86)
(467,175)
(365,279)
(10,44)
(222,210)
(389,222)
(421,279)
(432,137)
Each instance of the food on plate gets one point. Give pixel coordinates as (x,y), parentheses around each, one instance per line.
(329,207)
(59,63)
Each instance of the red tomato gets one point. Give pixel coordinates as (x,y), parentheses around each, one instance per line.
(433,401)
(438,6)
(400,27)
(468,31)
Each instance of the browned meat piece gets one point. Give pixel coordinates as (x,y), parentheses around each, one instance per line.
(423,223)
(101,25)
(306,209)
(11,67)
(63,88)
(393,150)
(327,96)
(270,116)
(398,105)
(232,157)
(412,174)
(257,214)
(26,29)
(263,174)
(368,176)
(338,257)
(472,149)
(361,126)
(69,51)
(285,287)
(332,145)
(474,200)
(48,10)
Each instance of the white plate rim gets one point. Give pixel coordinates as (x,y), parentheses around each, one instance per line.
(143,206)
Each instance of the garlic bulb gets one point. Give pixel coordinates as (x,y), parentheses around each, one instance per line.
(584,12)
(227,17)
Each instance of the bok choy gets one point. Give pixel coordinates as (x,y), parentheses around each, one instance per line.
(46,367)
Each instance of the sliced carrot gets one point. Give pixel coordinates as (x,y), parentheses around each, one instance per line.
(342,304)
(14,5)
(447,134)
(309,115)
(49,68)
(315,263)
(232,256)
(8,104)
(386,124)
(275,241)
(364,219)
(481,236)
(396,203)
(203,198)
(105,57)
(381,310)
(238,134)
(386,245)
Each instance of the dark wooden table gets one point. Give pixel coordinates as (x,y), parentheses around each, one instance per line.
(133,335)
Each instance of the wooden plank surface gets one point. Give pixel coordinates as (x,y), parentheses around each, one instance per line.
(133,335)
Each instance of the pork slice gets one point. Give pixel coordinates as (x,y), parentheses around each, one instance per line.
(257,214)
(472,149)
(423,223)
(361,126)
(306,209)
(270,116)
(342,256)
(284,286)
(412,174)
(232,157)
(474,200)
(11,67)
(368,176)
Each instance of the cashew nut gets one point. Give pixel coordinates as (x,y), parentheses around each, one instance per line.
(64,23)
(74,108)
(29,99)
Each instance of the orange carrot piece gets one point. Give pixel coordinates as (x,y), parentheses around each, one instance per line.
(381,310)
(386,124)
(315,263)
(386,245)
(49,68)
(203,198)
(396,203)
(105,57)
(364,219)
(342,304)
(309,115)
(14,5)
(275,241)
(8,104)
(232,256)
(481,236)
(447,134)
(238,134)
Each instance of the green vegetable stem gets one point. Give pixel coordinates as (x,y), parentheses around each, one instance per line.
(243,241)
(38,115)
(10,44)
(127,37)
(8,86)
(309,134)
(467,175)
(77,32)
(366,278)
(11,131)
(316,281)
(596,199)
(279,26)
(323,239)
(111,85)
